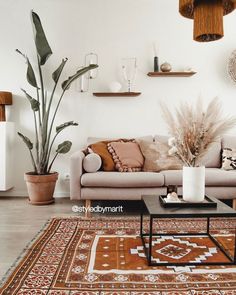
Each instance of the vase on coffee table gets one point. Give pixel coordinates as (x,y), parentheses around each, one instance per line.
(193,184)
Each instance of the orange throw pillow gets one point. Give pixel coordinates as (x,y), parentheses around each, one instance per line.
(100,148)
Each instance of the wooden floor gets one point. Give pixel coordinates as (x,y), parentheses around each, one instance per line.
(19,223)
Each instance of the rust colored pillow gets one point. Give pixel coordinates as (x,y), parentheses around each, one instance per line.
(126,155)
(100,148)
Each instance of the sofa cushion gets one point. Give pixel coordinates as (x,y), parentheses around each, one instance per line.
(214,177)
(117,179)
(212,159)
(229,141)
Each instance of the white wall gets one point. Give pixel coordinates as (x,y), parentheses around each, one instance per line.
(113,29)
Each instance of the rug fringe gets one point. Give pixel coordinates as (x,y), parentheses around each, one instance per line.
(23,253)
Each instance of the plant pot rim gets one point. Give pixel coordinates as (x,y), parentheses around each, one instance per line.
(31,173)
(37,178)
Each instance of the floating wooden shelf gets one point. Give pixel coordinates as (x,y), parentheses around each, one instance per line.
(171,74)
(106,94)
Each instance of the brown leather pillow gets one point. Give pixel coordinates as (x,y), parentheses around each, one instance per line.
(100,148)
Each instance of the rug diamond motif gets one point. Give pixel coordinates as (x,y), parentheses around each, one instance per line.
(173,251)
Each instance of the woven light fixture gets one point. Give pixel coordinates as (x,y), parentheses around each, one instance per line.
(207,16)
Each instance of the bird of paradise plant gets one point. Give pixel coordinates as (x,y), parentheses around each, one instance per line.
(43,113)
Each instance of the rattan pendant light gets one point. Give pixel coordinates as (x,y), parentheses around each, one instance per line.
(207,16)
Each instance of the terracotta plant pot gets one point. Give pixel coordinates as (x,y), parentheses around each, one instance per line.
(41,188)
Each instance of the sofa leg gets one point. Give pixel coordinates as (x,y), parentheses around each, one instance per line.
(87,206)
(234,204)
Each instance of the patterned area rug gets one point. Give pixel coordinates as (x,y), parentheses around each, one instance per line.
(76,256)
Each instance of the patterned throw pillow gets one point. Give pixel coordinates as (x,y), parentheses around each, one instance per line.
(229,159)
(126,156)
(157,157)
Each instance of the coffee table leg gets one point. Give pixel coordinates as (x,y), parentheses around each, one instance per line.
(208,225)
(141,224)
(235,247)
(150,242)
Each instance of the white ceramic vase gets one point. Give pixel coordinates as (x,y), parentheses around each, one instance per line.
(193,184)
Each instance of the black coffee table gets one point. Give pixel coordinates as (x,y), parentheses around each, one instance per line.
(156,210)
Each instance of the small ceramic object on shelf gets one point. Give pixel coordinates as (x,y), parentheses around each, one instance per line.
(188,69)
(166,67)
(115,86)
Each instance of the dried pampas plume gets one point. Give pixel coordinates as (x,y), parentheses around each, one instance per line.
(194,130)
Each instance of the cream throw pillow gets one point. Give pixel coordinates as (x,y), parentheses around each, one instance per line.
(157,158)
(92,163)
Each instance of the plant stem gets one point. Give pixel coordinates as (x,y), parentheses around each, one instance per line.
(36,139)
(47,154)
(47,149)
(33,162)
(39,112)
(42,87)
(50,166)
(53,118)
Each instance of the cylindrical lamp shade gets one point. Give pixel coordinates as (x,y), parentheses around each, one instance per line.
(186,7)
(208,20)
(5,99)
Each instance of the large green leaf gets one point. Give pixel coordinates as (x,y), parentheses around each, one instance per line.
(33,102)
(43,48)
(57,73)
(66,84)
(26,140)
(30,72)
(64,147)
(65,125)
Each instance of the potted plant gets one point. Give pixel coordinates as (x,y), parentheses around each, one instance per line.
(193,132)
(41,181)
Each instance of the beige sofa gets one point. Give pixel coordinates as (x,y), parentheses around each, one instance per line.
(131,186)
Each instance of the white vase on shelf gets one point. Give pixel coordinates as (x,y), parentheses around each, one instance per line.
(193,184)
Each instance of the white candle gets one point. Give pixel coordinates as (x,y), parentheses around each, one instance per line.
(155,48)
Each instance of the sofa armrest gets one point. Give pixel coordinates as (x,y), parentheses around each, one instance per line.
(76,170)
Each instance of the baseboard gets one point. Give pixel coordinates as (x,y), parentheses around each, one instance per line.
(16,193)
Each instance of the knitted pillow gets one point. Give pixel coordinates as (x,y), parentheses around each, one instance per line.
(126,156)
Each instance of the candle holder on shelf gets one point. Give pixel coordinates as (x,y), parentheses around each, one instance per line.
(91,58)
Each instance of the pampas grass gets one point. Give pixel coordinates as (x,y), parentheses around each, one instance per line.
(194,130)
